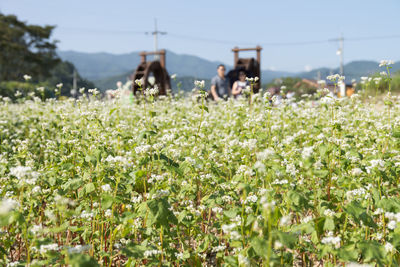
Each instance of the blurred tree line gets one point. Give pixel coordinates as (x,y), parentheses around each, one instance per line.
(28,50)
(375,84)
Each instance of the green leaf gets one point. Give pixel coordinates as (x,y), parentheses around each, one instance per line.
(396,133)
(319,225)
(287,239)
(160,215)
(112,111)
(146,134)
(169,163)
(2,251)
(260,246)
(372,251)
(392,204)
(297,199)
(329,224)
(204,245)
(230,213)
(359,214)
(204,108)
(321,173)
(82,260)
(231,261)
(348,253)
(89,188)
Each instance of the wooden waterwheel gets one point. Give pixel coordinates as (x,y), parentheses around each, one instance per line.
(152,73)
(251,66)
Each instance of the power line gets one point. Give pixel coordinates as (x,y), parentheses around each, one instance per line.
(232,42)
(92,30)
(208,40)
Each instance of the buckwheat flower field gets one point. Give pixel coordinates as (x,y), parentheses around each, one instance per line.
(186,182)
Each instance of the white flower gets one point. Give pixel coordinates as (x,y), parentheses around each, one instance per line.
(389,247)
(219,248)
(335,77)
(199,84)
(137,199)
(306,219)
(265,154)
(108,213)
(217,210)
(280,182)
(27,77)
(86,215)
(151,91)
(392,225)
(227,228)
(94,91)
(59,85)
(142,149)
(36,228)
(331,240)
(378,211)
(20,171)
(356,171)
(179,255)
(278,245)
(7,205)
(173,76)
(139,82)
(329,213)
(243,260)
(267,205)
(151,253)
(106,188)
(259,166)
(252,198)
(377,80)
(386,63)
(307,152)
(285,220)
(160,193)
(13,264)
(36,189)
(78,249)
(48,247)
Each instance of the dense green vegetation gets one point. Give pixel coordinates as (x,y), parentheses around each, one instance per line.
(28,51)
(188,182)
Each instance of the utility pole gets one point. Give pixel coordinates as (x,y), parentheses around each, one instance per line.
(155,33)
(74,90)
(339,52)
(341,41)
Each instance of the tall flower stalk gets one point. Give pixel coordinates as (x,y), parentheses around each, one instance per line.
(388,102)
(202,94)
(252,82)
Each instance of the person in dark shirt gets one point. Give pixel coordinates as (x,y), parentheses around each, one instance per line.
(220,84)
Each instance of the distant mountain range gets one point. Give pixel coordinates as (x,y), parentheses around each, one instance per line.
(105,69)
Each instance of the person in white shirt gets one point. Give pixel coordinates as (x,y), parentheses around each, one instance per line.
(239,86)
